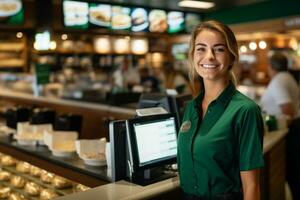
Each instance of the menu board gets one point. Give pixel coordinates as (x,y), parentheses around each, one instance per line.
(83,15)
(76,14)
(100,14)
(191,20)
(175,22)
(11,12)
(139,19)
(120,19)
(158,21)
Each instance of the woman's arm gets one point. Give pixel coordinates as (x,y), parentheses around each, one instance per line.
(251,184)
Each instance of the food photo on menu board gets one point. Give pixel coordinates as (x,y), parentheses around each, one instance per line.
(100,14)
(158,21)
(76,14)
(120,19)
(191,20)
(11,12)
(139,19)
(175,22)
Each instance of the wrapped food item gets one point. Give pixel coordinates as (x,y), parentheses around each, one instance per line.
(81,188)
(46,177)
(8,161)
(35,171)
(16,196)
(17,181)
(4,175)
(23,167)
(61,183)
(47,194)
(32,189)
(4,192)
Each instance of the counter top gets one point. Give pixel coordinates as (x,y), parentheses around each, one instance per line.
(123,190)
(272,138)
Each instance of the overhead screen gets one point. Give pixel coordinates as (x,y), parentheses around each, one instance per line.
(11,12)
(84,15)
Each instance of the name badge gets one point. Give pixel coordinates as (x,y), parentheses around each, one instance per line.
(185,127)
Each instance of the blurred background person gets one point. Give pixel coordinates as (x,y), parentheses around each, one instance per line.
(282,98)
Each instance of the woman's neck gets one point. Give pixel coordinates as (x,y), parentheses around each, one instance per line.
(213,89)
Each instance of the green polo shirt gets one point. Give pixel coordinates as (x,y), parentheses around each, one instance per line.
(212,151)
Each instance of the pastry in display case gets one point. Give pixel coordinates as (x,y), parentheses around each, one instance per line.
(4,192)
(17,181)
(32,189)
(7,160)
(20,180)
(80,188)
(47,194)
(35,171)
(61,183)
(4,175)
(23,167)
(16,196)
(46,177)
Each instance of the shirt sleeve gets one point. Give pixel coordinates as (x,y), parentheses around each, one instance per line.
(250,138)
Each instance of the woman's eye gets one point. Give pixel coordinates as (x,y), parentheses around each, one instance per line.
(219,49)
(201,49)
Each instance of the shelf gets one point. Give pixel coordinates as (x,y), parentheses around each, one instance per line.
(11,46)
(11,62)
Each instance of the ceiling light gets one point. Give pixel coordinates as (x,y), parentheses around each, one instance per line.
(252,46)
(262,44)
(196,4)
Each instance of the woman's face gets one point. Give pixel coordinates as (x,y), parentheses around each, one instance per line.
(211,55)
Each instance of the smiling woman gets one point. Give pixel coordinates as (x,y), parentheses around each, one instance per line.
(220,155)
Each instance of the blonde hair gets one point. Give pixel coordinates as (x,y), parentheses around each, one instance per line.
(231,44)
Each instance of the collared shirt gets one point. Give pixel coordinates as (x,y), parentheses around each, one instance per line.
(212,151)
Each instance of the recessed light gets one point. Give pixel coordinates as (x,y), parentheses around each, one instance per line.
(196,4)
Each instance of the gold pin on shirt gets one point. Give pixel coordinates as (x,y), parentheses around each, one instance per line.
(185,127)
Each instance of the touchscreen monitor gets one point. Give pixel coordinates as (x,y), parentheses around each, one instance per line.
(152,141)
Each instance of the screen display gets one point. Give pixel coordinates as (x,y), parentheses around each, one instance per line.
(158,21)
(139,19)
(175,22)
(156,140)
(180,51)
(11,12)
(100,14)
(191,20)
(76,14)
(120,18)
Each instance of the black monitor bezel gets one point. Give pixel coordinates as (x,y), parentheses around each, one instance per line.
(133,142)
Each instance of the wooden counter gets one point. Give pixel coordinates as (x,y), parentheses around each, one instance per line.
(96,117)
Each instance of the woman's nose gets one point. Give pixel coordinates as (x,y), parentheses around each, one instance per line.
(210,54)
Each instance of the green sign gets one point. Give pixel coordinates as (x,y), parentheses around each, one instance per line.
(42,73)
